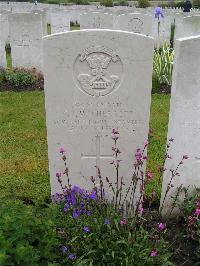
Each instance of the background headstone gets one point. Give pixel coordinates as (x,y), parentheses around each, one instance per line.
(2,48)
(44,20)
(26,40)
(189,26)
(60,22)
(134,22)
(4,26)
(96,20)
(164,30)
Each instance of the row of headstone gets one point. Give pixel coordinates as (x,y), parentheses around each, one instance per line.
(133,22)
(61,17)
(141,23)
(98,71)
(25,31)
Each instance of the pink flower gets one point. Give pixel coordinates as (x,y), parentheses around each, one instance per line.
(141,210)
(146,143)
(144,157)
(149,175)
(58,174)
(197,203)
(123,221)
(191,220)
(138,155)
(62,150)
(197,211)
(114,131)
(161,226)
(154,253)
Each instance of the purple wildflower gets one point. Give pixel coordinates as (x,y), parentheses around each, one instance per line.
(75,214)
(106,221)
(66,207)
(88,213)
(93,195)
(86,229)
(64,249)
(56,197)
(72,256)
(158,12)
(78,190)
(161,226)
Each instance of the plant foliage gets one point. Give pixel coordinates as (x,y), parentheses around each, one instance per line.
(162,67)
(143,3)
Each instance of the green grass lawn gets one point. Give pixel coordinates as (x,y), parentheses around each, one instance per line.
(71,28)
(24,163)
(75,27)
(156,150)
(48,29)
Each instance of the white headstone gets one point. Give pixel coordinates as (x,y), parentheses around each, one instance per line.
(26,40)
(96,20)
(179,31)
(60,22)
(184,119)
(134,22)
(96,80)
(4,26)
(164,30)
(2,47)
(44,20)
(189,26)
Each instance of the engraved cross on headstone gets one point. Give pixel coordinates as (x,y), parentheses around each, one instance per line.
(98,154)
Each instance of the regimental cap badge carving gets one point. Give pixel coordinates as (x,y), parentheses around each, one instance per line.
(98,70)
(135,25)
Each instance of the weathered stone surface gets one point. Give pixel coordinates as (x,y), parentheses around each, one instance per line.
(188,26)
(26,40)
(4,26)
(184,125)
(60,22)
(96,80)
(2,48)
(164,30)
(96,20)
(44,20)
(134,22)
